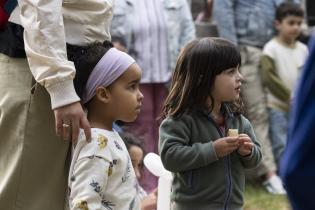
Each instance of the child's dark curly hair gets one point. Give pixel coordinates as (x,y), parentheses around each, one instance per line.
(130,140)
(85,59)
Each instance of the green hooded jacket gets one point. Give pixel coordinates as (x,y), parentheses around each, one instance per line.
(202,181)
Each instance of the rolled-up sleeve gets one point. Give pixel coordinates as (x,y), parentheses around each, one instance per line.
(45,46)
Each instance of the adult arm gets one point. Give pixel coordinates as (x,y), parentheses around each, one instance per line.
(45,46)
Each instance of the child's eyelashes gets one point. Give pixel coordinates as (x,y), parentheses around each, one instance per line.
(292,22)
(133,86)
(231,71)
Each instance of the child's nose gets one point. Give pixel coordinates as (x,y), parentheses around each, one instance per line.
(140,96)
(240,76)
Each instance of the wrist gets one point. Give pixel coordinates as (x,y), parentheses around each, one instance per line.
(62,94)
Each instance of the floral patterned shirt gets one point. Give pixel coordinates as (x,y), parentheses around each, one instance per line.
(101,174)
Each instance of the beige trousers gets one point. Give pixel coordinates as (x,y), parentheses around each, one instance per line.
(255,106)
(33,160)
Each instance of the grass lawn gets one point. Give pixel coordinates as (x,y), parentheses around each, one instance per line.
(256,198)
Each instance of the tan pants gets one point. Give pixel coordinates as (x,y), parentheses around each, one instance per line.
(255,106)
(33,166)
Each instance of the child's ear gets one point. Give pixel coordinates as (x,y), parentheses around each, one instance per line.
(102,94)
(277,24)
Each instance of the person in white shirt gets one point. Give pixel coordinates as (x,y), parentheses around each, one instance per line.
(283,58)
(101,173)
(36,86)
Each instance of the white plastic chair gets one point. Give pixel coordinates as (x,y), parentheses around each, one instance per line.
(154,164)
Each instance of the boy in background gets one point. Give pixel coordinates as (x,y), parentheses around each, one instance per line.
(283,58)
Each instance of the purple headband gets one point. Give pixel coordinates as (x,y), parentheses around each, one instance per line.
(113,64)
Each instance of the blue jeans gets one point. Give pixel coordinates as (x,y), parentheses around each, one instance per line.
(278,121)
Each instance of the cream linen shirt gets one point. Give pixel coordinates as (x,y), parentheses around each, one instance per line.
(48,25)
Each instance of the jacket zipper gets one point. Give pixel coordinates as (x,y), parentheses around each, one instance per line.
(229,183)
(228,163)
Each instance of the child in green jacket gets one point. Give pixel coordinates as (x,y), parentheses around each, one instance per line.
(207,164)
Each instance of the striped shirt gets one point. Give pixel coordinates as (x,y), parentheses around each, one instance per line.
(150,34)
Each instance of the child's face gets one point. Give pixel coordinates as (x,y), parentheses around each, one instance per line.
(227,85)
(290,27)
(136,156)
(125,96)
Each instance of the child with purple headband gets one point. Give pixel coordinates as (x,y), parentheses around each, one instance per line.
(101,173)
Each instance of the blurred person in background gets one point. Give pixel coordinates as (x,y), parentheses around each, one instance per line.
(282,60)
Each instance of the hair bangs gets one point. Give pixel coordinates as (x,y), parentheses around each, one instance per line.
(228,57)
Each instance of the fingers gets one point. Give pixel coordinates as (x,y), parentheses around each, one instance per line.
(155,191)
(71,129)
(245,148)
(63,126)
(227,145)
(66,130)
(232,147)
(85,125)
(58,124)
(244,141)
(75,128)
(248,145)
(69,119)
(231,140)
(243,138)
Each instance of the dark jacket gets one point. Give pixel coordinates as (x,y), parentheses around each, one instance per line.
(298,161)
(201,179)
